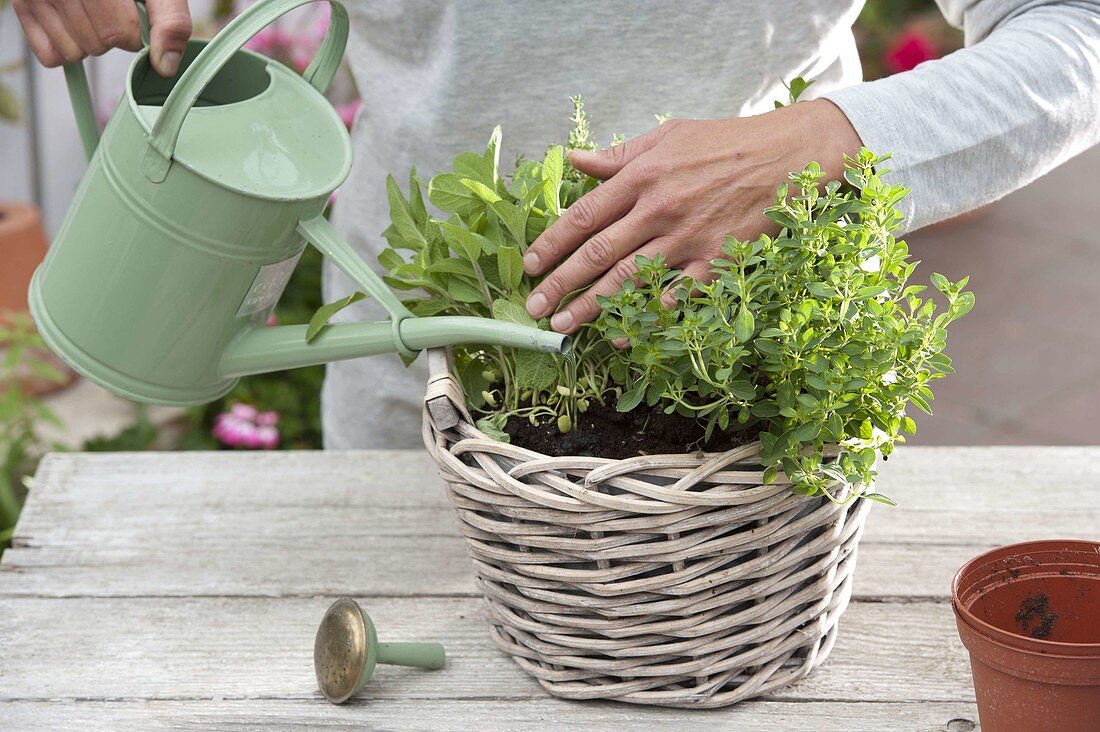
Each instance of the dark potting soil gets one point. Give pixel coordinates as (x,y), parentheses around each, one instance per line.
(603,431)
(1035,616)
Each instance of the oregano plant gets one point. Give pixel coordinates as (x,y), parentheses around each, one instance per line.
(813,339)
(815,336)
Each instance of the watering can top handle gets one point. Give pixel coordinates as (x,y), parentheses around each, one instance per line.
(218,51)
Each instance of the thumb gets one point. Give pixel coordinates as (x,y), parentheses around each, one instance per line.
(605,163)
(169,29)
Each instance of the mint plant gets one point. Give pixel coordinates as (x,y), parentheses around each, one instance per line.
(814,338)
(469,261)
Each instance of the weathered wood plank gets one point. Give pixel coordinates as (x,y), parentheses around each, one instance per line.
(494,715)
(366,565)
(359,522)
(256,648)
(220,532)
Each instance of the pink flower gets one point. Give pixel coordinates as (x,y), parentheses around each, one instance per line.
(243,426)
(908,50)
(300,58)
(268,40)
(272,320)
(348,111)
(245,412)
(267,419)
(320,23)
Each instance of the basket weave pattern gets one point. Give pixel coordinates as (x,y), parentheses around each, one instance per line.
(675,580)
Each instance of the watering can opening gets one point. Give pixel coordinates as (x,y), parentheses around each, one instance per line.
(243,77)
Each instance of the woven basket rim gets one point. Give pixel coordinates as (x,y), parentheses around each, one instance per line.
(441,375)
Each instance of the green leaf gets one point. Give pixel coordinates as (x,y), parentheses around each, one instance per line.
(467,292)
(493,428)
(324,314)
(535,370)
(797,86)
(463,241)
(416,200)
(807,432)
(492,152)
(390,259)
(781,217)
(514,219)
(512,312)
(743,325)
(460,267)
(482,191)
(879,498)
(510,265)
(474,167)
(447,193)
(552,169)
(631,398)
(401,216)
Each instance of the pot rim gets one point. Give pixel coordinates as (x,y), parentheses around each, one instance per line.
(1017,641)
(17,216)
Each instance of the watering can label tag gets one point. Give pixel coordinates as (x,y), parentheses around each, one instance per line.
(268,286)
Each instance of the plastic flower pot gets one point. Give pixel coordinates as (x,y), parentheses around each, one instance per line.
(1029,615)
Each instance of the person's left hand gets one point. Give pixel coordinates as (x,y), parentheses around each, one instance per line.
(680,190)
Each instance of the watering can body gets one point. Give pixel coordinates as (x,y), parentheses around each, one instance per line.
(198,201)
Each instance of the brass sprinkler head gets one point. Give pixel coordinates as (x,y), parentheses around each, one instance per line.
(347,649)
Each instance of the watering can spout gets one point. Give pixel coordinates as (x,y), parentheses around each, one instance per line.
(285,347)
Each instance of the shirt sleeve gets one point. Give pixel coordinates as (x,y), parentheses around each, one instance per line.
(1020,99)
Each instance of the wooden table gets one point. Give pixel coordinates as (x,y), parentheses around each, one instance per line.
(182,590)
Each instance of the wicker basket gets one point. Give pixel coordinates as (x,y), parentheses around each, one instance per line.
(675,580)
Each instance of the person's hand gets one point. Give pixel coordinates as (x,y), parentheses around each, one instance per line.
(679,190)
(65,32)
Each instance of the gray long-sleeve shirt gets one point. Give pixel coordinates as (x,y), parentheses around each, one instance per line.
(437,75)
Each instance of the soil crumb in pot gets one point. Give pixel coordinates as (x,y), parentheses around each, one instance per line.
(603,431)
(1035,616)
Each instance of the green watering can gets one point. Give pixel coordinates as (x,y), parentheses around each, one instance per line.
(196,205)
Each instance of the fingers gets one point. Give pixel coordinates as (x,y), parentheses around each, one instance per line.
(584,307)
(605,163)
(116,23)
(590,214)
(36,35)
(61,33)
(62,48)
(170,27)
(596,257)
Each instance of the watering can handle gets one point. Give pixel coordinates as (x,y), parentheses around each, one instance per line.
(218,51)
(80,94)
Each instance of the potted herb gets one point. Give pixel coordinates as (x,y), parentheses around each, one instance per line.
(674,522)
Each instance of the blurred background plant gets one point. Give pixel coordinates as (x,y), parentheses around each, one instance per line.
(896,35)
(11,109)
(25,371)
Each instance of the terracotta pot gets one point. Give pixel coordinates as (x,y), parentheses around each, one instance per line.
(22,247)
(1029,614)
